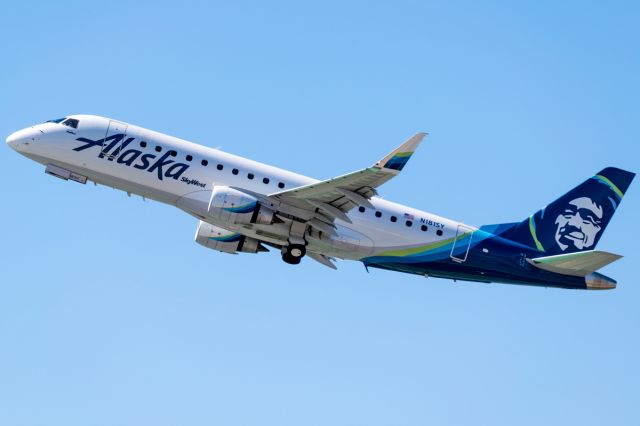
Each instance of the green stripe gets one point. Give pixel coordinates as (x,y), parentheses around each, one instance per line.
(532,228)
(403,154)
(611,184)
(421,249)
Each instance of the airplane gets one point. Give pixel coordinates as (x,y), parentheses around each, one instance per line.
(244,206)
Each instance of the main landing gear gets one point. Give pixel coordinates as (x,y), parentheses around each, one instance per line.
(293,253)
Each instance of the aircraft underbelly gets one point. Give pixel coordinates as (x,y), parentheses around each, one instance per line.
(113,181)
(482,271)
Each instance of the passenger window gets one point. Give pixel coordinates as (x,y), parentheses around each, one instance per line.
(234,171)
(378,214)
(219,167)
(189,157)
(250,175)
(71,122)
(439,232)
(408,223)
(158,148)
(265,180)
(423,228)
(361,209)
(173,153)
(143,144)
(393,219)
(204,162)
(280,185)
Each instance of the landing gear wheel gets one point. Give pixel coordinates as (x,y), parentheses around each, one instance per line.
(293,253)
(296,250)
(290,259)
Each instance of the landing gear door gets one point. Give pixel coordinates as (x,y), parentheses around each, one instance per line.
(461,244)
(116,132)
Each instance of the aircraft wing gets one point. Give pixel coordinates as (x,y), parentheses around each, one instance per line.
(335,197)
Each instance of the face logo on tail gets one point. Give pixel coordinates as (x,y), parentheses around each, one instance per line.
(578,224)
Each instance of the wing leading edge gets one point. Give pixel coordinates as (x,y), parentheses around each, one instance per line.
(336,196)
(579,264)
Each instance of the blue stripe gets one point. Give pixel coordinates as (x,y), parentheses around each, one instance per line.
(227,238)
(397,162)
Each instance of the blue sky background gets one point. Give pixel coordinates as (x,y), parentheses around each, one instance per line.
(111,314)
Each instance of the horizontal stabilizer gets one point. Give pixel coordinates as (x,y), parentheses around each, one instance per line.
(579,264)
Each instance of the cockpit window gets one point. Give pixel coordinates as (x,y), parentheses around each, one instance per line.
(57,120)
(71,122)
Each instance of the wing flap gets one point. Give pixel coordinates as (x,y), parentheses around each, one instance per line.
(579,264)
(322,259)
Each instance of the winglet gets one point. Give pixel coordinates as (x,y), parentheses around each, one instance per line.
(399,157)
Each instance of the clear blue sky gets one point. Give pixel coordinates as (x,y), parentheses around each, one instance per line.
(110,314)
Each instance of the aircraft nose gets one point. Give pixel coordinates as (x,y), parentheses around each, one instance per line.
(20,138)
(13,139)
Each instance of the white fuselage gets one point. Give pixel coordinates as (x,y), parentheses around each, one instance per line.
(141,163)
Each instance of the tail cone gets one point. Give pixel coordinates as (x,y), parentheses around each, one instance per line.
(596,281)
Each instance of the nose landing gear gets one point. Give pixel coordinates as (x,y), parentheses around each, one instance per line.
(293,253)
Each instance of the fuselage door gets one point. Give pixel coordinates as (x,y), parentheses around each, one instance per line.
(461,243)
(111,146)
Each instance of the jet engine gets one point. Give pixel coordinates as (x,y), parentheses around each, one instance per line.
(221,239)
(237,207)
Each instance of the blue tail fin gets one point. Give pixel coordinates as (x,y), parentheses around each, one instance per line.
(575,221)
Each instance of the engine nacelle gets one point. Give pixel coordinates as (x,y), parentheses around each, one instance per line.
(237,207)
(221,239)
